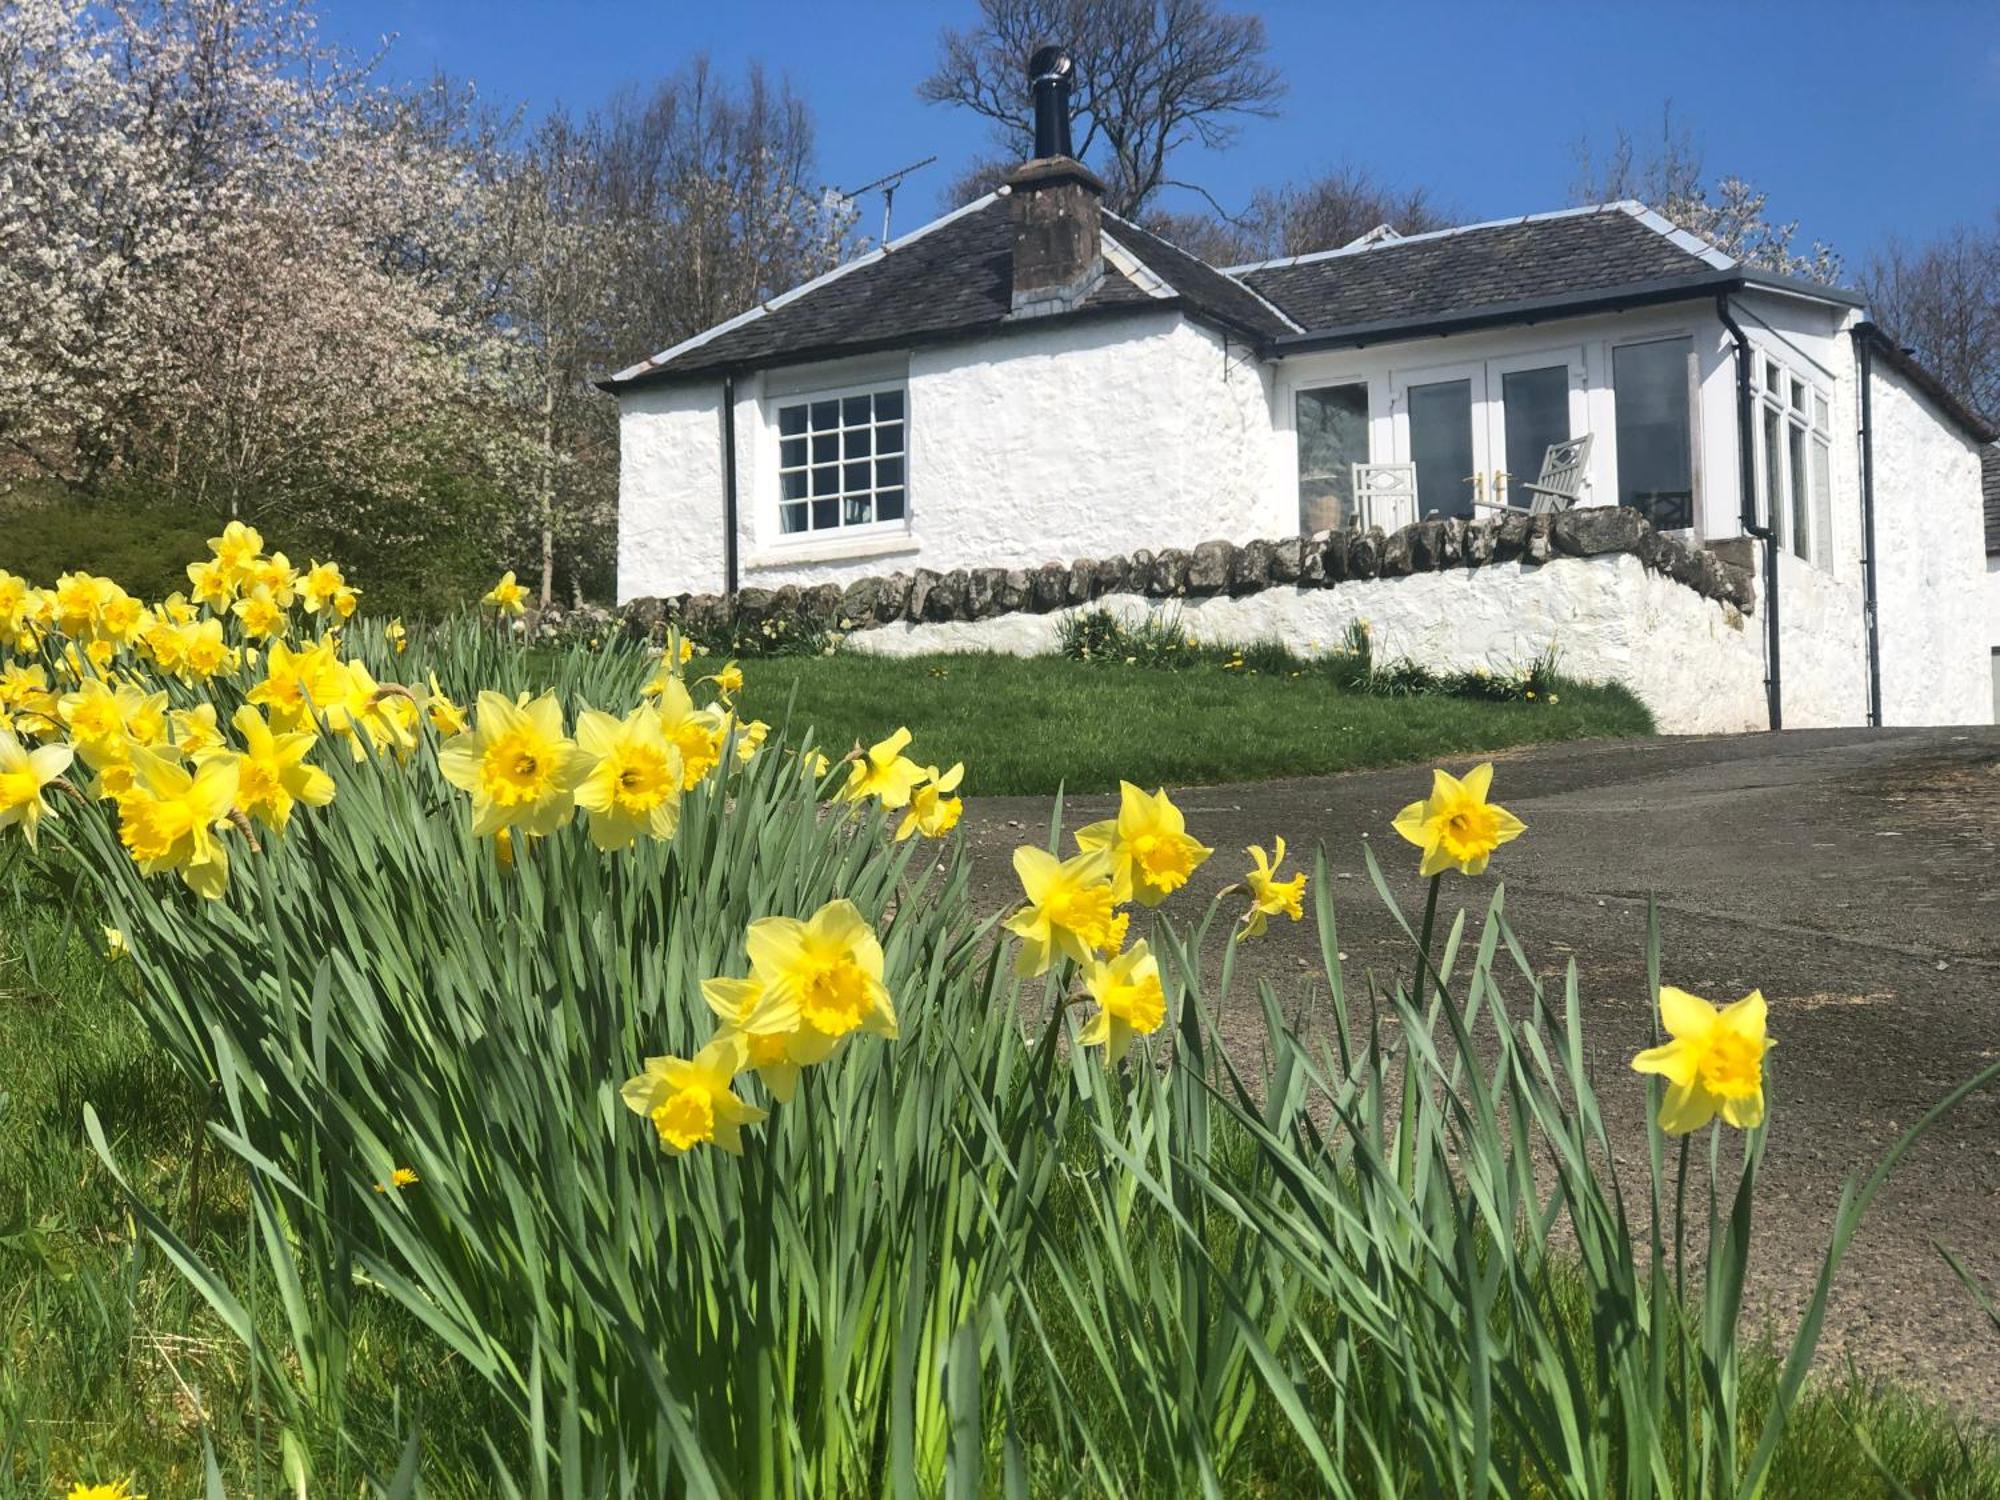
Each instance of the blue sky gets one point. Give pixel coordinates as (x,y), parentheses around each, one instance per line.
(1861,121)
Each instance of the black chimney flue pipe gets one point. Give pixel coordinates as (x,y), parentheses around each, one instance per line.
(1048,80)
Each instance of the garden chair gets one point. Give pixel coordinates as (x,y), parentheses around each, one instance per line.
(1565,467)
(1385,495)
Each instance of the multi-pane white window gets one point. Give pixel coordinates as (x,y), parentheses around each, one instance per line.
(841,460)
(1795,468)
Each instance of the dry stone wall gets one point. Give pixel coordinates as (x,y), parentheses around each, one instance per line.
(1210,570)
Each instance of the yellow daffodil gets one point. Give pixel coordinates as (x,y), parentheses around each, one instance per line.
(520,768)
(1151,851)
(1456,827)
(272,773)
(297,680)
(1130,1001)
(689,1099)
(213,583)
(884,773)
(79,596)
(261,614)
(194,731)
(696,732)
(237,548)
(684,652)
(506,597)
(120,616)
(750,736)
(397,637)
(1070,909)
(318,586)
(766,1022)
(275,576)
(23,774)
(13,606)
(933,811)
(118,1489)
(1714,1064)
(728,681)
(201,651)
(634,783)
(167,819)
(1271,893)
(446,717)
(814,764)
(829,969)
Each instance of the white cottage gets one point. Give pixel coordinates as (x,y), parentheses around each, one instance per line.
(1033,379)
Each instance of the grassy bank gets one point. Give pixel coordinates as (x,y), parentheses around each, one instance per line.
(111,1364)
(1031,725)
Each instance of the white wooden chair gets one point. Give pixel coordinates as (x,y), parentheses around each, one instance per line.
(1385,495)
(1565,468)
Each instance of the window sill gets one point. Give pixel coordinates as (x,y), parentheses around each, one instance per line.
(833,549)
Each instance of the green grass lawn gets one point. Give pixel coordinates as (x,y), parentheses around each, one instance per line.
(1029,725)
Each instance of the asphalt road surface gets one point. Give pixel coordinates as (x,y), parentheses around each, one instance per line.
(1849,874)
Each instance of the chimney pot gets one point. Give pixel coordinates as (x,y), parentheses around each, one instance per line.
(1053,203)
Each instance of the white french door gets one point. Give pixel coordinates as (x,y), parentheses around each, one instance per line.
(1533,400)
(1477,430)
(1441,427)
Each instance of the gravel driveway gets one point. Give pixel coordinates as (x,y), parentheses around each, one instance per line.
(1849,874)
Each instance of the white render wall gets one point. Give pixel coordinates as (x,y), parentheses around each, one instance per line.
(1698,665)
(1084,438)
(1993,627)
(1930,562)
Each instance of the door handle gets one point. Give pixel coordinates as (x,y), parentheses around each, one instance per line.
(1478,483)
(1500,479)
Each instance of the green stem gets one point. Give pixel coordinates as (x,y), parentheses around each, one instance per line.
(1420,990)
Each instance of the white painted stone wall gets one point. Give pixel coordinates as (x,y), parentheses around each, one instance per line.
(1823,661)
(1930,562)
(1698,665)
(1081,439)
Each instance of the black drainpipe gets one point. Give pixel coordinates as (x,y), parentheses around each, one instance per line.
(1746,446)
(729,485)
(1870,620)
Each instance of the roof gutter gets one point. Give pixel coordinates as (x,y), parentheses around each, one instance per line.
(1504,314)
(1746,480)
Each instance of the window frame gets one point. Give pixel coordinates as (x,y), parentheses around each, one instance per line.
(811,536)
(1346,504)
(1799,409)
(1692,373)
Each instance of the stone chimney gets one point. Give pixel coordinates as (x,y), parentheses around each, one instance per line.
(1058,255)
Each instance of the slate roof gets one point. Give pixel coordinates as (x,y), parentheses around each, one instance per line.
(1482,266)
(1989,489)
(950,279)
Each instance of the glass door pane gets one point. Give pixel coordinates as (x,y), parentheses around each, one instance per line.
(1441,446)
(1655,438)
(1534,407)
(1332,425)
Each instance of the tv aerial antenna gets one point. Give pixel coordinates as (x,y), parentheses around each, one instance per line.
(888,184)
